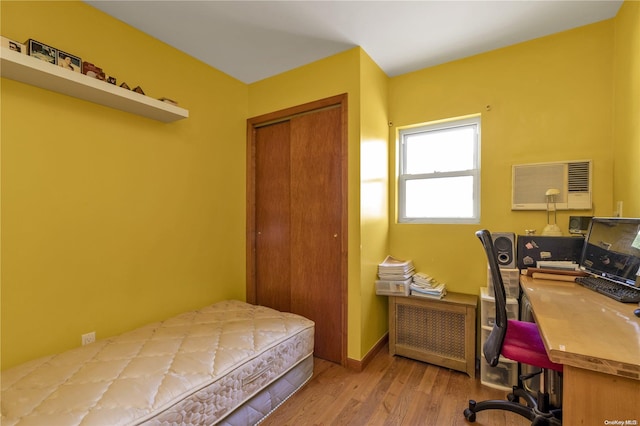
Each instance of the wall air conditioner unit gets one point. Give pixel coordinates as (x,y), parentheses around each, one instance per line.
(531,182)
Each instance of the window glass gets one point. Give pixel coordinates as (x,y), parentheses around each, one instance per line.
(439,179)
(440,150)
(422,192)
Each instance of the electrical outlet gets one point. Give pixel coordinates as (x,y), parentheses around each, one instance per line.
(88,338)
(618,210)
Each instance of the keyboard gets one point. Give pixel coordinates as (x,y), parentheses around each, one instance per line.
(618,292)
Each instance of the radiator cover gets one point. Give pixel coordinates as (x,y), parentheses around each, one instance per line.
(437,331)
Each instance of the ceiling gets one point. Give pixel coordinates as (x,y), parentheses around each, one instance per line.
(253,40)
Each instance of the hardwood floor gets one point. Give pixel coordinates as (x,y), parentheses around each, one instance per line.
(392,390)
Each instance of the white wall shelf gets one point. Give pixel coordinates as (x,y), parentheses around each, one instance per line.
(23,68)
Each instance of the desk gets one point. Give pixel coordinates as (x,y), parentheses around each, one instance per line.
(598,341)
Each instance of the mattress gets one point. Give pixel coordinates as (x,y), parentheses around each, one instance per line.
(196,368)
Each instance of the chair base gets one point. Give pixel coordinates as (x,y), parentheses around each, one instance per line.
(530,411)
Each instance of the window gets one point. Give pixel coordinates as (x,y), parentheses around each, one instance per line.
(439,178)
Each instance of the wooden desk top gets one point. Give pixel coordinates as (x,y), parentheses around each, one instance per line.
(585,329)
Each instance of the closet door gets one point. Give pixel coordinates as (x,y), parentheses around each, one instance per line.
(296,256)
(273,216)
(316,226)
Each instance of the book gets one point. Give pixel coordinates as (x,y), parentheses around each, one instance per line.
(437,291)
(393,269)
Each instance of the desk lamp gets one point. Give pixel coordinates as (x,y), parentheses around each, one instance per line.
(552,229)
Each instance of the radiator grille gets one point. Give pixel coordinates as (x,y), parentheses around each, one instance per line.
(438,332)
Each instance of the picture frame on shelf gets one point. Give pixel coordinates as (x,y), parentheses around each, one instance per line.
(42,51)
(69,61)
(13,45)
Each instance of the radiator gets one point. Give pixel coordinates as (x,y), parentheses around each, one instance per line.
(437,331)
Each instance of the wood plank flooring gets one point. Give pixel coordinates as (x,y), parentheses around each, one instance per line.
(392,390)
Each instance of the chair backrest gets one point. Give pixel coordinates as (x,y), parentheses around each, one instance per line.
(493,345)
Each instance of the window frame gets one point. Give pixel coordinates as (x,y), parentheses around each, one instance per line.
(403,178)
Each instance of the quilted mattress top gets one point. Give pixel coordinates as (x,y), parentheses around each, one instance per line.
(128,378)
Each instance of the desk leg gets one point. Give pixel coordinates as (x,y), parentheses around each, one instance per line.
(593,398)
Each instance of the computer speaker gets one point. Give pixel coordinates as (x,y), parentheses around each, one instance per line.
(504,243)
(579,224)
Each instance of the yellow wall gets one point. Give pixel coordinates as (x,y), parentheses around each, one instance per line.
(626,175)
(111,220)
(549,99)
(374,182)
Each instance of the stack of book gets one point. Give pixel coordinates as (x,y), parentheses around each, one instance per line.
(394,277)
(395,269)
(425,286)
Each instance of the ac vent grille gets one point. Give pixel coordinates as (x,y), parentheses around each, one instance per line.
(579,177)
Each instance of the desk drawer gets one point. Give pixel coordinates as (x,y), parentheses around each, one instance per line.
(488,308)
(503,376)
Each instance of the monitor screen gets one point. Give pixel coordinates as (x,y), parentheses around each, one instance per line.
(612,249)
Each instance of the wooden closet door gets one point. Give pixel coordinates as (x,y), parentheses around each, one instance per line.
(297,217)
(273,216)
(316,219)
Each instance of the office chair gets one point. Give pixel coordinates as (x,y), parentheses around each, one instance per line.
(518,341)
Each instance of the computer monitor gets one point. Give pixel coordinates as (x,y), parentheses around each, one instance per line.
(612,250)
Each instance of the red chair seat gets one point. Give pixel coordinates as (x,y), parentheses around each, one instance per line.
(523,343)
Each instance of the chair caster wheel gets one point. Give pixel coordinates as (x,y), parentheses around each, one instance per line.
(469,415)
